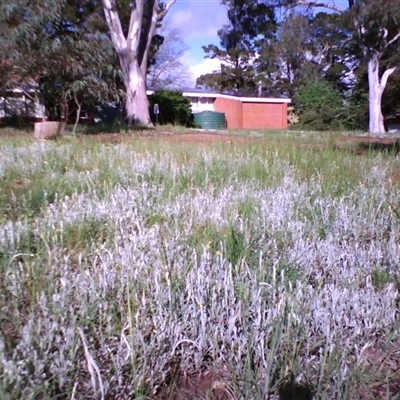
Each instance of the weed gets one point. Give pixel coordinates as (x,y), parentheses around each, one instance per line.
(380,279)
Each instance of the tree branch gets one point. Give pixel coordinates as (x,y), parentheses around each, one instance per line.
(391,41)
(385,78)
(163,13)
(155,17)
(135,26)
(114,24)
(317,4)
(387,43)
(149,36)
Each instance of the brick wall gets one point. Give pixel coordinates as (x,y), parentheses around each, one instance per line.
(252,115)
(232,109)
(264,115)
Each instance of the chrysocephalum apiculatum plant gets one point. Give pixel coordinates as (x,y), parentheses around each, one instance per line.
(268,270)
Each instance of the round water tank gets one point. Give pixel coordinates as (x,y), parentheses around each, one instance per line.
(210,120)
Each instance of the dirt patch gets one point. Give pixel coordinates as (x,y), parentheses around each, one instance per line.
(207,138)
(114,138)
(365,139)
(200,138)
(383,364)
(353,144)
(210,384)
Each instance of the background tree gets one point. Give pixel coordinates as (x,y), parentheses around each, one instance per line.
(376,26)
(270,56)
(320,106)
(21,34)
(285,61)
(250,25)
(307,48)
(133,50)
(167,70)
(78,72)
(60,48)
(236,74)
(354,47)
(391,95)
(64,47)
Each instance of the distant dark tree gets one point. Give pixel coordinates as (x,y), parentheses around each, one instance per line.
(250,25)
(320,106)
(307,47)
(213,81)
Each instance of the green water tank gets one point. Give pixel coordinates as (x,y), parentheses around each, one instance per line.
(210,119)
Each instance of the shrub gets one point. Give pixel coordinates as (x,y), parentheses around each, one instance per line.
(174,108)
(320,106)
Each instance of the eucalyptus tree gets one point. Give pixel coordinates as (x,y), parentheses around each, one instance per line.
(264,54)
(133,50)
(22,31)
(76,71)
(376,26)
(308,48)
(61,47)
(251,25)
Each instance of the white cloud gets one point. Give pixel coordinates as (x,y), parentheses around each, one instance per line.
(198,23)
(206,66)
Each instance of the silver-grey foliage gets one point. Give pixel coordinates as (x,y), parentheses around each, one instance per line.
(285,288)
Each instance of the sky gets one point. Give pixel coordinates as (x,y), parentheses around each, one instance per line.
(198,21)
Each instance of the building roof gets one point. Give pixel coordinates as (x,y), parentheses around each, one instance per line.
(211,94)
(243,99)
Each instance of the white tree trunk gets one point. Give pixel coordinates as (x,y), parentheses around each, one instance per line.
(136,102)
(134,66)
(375,98)
(376,89)
(78,113)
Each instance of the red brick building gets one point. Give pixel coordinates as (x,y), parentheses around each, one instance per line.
(243,112)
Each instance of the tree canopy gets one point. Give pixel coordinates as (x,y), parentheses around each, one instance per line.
(62,49)
(277,47)
(88,51)
(67,50)
(167,69)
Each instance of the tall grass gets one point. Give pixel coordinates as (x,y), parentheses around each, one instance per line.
(124,267)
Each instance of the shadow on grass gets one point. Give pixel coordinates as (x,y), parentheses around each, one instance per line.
(372,145)
(383,146)
(291,390)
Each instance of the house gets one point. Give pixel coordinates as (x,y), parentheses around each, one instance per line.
(22,102)
(242,112)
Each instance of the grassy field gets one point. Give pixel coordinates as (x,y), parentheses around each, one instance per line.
(146,268)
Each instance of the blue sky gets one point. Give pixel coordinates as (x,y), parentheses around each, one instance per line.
(198,21)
